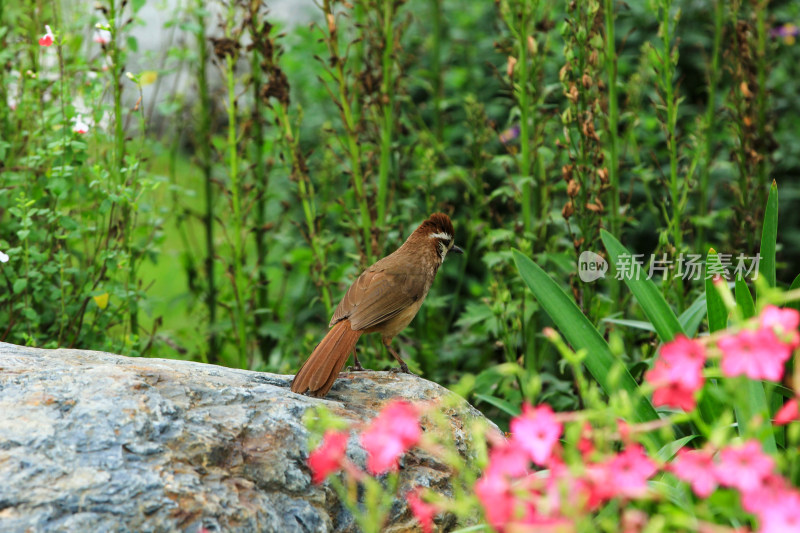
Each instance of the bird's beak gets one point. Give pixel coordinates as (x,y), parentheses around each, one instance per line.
(456,249)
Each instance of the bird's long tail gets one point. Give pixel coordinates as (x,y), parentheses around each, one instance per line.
(326,361)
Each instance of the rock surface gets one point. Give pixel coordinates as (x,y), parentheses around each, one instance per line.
(91,441)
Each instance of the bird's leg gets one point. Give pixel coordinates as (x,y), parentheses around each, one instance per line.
(403,366)
(356,363)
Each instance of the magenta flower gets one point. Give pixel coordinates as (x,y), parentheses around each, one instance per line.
(327,459)
(536,431)
(80,126)
(696,467)
(788,413)
(756,354)
(48,38)
(744,467)
(629,472)
(422,510)
(390,435)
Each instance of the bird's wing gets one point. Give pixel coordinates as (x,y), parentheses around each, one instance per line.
(377,296)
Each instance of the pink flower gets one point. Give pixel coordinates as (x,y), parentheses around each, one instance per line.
(755,354)
(390,435)
(80,126)
(697,468)
(422,511)
(783,321)
(509,459)
(629,472)
(670,389)
(744,467)
(686,356)
(48,38)
(780,514)
(494,493)
(536,431)
(758,500)
(786,414)
(327,459)
(102,36)
(678,373)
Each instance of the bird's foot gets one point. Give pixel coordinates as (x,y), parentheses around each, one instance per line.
(402,368)
(356,367)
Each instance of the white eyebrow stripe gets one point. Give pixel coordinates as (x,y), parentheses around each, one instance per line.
(441,235)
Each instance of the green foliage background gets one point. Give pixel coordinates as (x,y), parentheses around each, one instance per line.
(231,188)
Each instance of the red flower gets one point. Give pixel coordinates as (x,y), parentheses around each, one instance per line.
(788,413)
(327,459)
(697,468)
(422,511)
(390,435)
(755,354)
(47,38)
(536,431)
(744,467)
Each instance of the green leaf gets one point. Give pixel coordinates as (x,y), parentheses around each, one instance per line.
(638,324)
(744,300)
(648,296)
(669,450)
(769,237)
(582,335)
(20,285)
(717,312)
(795,304)
(503,405)
(691,318)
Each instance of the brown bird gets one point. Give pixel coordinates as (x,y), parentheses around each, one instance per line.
(384,299)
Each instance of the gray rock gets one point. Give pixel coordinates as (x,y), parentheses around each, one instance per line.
(91,441)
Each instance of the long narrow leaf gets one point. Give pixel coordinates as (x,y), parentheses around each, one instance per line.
(646,292)
(769,237)
(717,312)
(582,334)
(744,300)
(691,318)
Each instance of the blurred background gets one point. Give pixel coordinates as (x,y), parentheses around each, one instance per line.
(242,162)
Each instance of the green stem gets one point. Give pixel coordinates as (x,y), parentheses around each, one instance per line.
(387,127)
(351,131)
(613,118)
(761,94)
(119,165)
(711,108)
(525,117)
(436,68)
(204,144)
(307,201)
(233,161)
